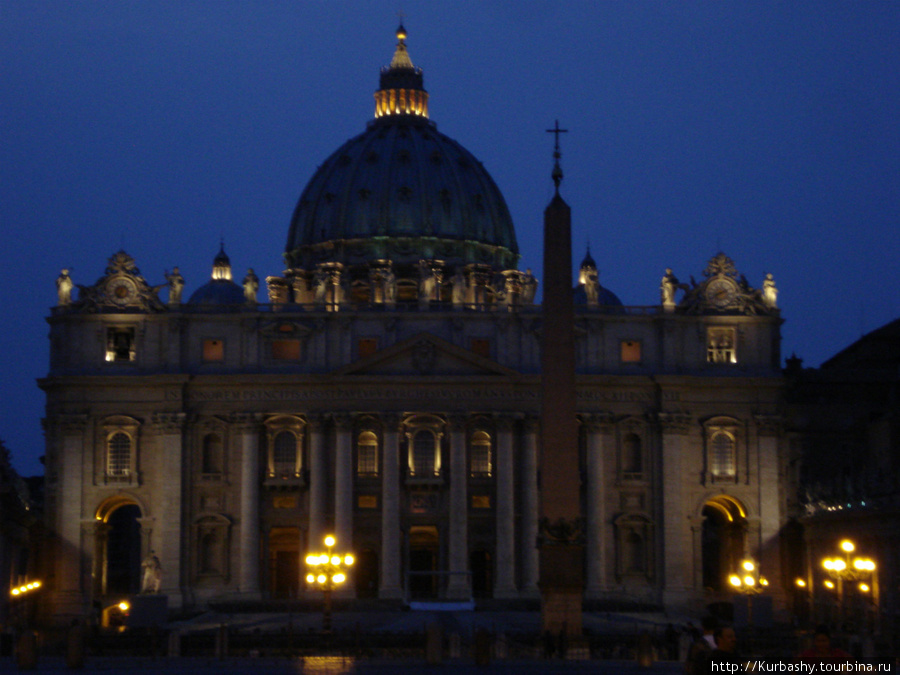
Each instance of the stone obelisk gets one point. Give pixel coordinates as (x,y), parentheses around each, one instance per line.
(560,537)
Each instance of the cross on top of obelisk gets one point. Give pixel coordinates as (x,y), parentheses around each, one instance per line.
(557,174)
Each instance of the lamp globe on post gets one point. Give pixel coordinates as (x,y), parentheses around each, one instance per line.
(328,571)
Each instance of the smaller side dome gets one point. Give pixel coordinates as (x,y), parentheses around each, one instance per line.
(220,290)
(589,292)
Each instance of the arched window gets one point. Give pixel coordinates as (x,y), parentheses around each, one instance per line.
(212,454)
(632,457)
(284,455)
(367,454)
(480,454)
(423,454)
(118,455)
(722,454)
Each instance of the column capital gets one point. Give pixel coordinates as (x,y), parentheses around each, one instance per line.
(392,421)
(66,423)
(675,422)
(168,422)
(343,421)
(246,422)
(769,424)
(315,421)
(457,422)
(504,421)
(599,422)
(531,424)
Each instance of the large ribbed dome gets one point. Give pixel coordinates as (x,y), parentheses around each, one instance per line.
(401,191)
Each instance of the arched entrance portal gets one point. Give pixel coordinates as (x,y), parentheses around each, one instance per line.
(122,559)
(423,557)
(724,529)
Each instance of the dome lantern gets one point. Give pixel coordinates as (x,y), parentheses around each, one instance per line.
(401,87)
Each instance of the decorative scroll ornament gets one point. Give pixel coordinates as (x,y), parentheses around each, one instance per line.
(724,291)
(122,288)
(561,532)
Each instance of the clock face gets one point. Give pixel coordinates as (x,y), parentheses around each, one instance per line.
(121,291)
(720,292)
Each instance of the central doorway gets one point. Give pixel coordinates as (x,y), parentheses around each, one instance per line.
(123,551)
(423,557)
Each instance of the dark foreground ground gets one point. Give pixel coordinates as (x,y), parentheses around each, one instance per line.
(337,665)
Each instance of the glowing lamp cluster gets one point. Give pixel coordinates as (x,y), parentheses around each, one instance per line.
(848,568)
(25,589)
(749,580)
(327,569)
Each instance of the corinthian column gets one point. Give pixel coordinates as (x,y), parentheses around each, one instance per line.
(529,509)
(390,511)
(67,596)
(317,484)
(505,587)
(598,441)
(169,428)
(248,542)
(677,550)
(458,587)
(343,483)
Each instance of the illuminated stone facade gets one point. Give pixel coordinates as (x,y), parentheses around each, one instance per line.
(389,391)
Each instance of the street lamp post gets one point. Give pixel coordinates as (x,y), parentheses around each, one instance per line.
(846,569)
(748,582)
(328,571)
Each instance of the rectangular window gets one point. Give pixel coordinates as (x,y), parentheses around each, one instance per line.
(481,501)
(482,347)
(120,344)
(367,347)
(286,350)
(630,351)
(720,345)
(213,350)
(367,501)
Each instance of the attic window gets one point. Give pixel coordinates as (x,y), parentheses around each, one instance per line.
(720,345)
(367,347)
(120,344)
(630,351)
(286,350)
(482,347)
(213,350)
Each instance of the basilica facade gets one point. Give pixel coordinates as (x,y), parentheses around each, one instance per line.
(387,390)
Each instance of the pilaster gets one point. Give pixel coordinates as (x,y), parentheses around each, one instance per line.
(390,511)
(505,555)
(169,427)
(458,586)
(677,553)
(248,426)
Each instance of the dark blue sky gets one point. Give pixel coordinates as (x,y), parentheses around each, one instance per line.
(766,129)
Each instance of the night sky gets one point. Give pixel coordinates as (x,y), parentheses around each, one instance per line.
(767,130)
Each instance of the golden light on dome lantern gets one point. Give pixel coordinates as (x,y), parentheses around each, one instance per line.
(328,571)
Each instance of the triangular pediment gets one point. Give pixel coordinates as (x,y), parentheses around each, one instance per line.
(425,354)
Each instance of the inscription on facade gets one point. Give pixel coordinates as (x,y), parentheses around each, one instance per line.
(401,393)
